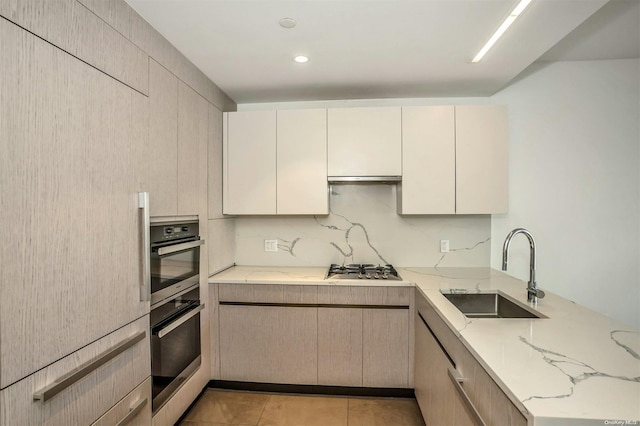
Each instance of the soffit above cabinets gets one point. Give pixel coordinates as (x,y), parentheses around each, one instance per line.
(360,49)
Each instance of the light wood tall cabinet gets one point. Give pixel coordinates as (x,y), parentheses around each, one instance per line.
(163,143)
(364,141)
(274,162)
(455,160)
(72,254)
(193,115)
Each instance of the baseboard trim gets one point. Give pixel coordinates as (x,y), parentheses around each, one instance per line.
(312,389)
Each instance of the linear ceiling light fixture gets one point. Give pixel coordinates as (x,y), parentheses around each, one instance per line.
(506,24)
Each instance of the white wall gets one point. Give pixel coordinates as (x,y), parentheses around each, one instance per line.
(575,182)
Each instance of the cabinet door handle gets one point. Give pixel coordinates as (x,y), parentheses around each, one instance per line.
(177,323)
(145,223)
(179,247)
(61,383)
(133,412)
(457,380)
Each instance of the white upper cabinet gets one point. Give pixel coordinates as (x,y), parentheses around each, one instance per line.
(428,161)
(275,162)
(482,159)
(249,171)
(365,141)
(302,162)
(455,160)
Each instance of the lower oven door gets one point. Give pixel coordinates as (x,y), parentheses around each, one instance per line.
(175,352)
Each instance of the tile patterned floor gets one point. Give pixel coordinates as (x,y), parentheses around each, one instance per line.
(222,407)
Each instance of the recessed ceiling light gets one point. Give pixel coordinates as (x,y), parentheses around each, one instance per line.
(287,22)
(506,24)
(301,59)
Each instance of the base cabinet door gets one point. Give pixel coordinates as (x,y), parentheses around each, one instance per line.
(39,399)
(385,348)
(439,401)
(340,347)
(270,344)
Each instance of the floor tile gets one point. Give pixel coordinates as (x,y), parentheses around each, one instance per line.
(384,412)
(228,407)
(295,410)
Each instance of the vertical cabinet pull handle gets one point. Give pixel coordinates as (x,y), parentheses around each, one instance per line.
(78,373)
(133,412)
(145,223)
(457,380)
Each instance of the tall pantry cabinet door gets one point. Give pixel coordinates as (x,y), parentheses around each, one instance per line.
(302,162)
(249,162)
(193,113)
(163,141)
(428,161)
(68,204)
(482,155)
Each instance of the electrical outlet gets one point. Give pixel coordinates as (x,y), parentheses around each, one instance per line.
(444,246)
(270,245)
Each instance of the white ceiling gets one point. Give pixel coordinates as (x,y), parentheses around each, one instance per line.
(368,49)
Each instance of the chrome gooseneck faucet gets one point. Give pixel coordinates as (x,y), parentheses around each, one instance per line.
(533,293)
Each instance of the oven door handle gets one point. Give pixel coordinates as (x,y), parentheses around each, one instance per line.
(177,323)
(179,247)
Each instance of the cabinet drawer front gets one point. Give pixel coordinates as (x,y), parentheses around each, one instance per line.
(85,400)
(132,410)
(359,295)
(268,293)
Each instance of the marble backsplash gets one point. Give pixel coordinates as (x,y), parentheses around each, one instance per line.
(363,227)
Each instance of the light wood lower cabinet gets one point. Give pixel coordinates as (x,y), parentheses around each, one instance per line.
(436,394)
(85,400)
(439,351)
(271,344)
(132,410)
(340,346)
(385,348)
(347,336)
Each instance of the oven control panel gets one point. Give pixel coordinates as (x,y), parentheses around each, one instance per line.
(173,231)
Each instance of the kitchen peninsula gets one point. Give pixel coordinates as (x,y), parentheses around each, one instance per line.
(574,367)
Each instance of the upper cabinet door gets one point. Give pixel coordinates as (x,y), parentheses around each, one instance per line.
(482,170)
(193,113)
(428,160)
(163,144)
(302,162)
(249,162)
(365,141)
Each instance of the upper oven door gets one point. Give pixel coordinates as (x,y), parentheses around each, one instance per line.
(174,267)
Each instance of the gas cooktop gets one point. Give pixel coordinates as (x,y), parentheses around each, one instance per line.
(366,271)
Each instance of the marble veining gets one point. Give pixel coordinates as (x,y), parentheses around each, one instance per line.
(287,246)
(622,345)
(565,364)
(363,226)
(347,232)
(460,249)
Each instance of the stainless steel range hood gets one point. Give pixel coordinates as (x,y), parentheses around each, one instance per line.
(364,179)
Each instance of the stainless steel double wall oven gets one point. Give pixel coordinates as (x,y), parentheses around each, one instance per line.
(175,305)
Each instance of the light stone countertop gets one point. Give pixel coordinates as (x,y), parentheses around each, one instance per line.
(575,364)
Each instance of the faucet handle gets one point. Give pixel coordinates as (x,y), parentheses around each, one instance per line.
(536,292)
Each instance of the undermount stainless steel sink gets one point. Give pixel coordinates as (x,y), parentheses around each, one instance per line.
(490,305)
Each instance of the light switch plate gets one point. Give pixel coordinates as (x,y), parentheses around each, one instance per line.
(444,246)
